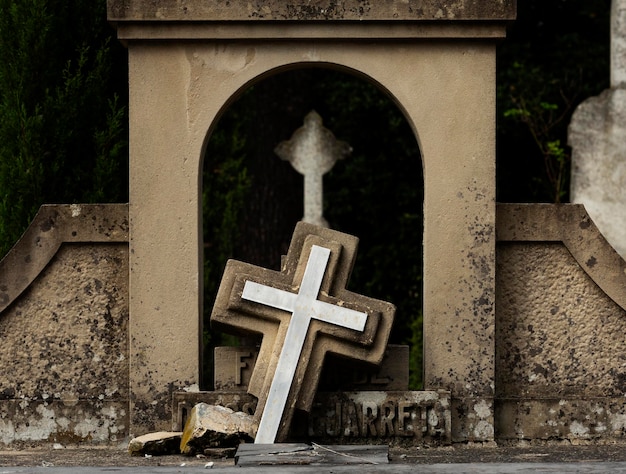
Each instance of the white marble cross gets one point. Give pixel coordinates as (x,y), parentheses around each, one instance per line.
(313,151)
(618,43)
(304,307)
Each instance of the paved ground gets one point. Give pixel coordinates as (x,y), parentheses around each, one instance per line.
(547,459)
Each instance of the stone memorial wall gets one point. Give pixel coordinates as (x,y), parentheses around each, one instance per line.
(188,61)
(523,340)
(64,351)
(559,354)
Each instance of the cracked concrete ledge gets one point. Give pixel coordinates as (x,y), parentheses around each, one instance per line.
(571,225)
(53,225)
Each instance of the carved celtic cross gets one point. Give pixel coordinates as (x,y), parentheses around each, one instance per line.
(313,150)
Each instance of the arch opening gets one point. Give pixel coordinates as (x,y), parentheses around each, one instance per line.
(252,199)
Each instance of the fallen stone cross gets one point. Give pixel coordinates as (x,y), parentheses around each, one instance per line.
(303,312)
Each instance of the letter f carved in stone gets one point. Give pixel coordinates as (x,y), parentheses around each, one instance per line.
(303,312)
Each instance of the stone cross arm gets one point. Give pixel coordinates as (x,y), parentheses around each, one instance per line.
(303,312)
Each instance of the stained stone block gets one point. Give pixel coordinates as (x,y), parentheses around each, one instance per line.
(408,418)
(233,367)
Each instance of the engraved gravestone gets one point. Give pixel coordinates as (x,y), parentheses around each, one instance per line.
(234,365)
(312,151)
(303,312)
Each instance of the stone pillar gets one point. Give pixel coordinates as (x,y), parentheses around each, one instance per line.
(596,135)
(165,316)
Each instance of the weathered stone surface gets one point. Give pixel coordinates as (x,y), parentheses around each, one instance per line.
(618,43)
(241,10)
(596,135)
(403,418)
(64,351)
(34,421)
(196,80)
(547,347)
(233,367)
(211,426)
(235,312)
(53,225)
(571,225)
(578,420)
(162,442)
(561,327)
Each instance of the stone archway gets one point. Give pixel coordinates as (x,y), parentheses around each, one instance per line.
(186,61)
(375,193)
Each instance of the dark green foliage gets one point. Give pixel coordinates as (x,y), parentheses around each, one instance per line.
(62,124)
(555,56)
(226,186)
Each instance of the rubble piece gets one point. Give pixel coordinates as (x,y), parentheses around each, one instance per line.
(304,454)
(162,442)
(211,426)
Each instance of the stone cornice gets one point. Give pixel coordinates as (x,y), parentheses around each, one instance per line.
(315,19)
(311,10)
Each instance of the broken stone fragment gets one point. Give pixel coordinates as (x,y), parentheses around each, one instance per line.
(211,426)
(162,442)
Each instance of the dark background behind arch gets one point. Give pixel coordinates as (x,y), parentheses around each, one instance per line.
(252,199)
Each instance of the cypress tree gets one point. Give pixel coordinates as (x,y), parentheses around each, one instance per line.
(62,113)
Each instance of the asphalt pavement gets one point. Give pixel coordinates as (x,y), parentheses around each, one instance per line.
(475,468)
(480,460)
